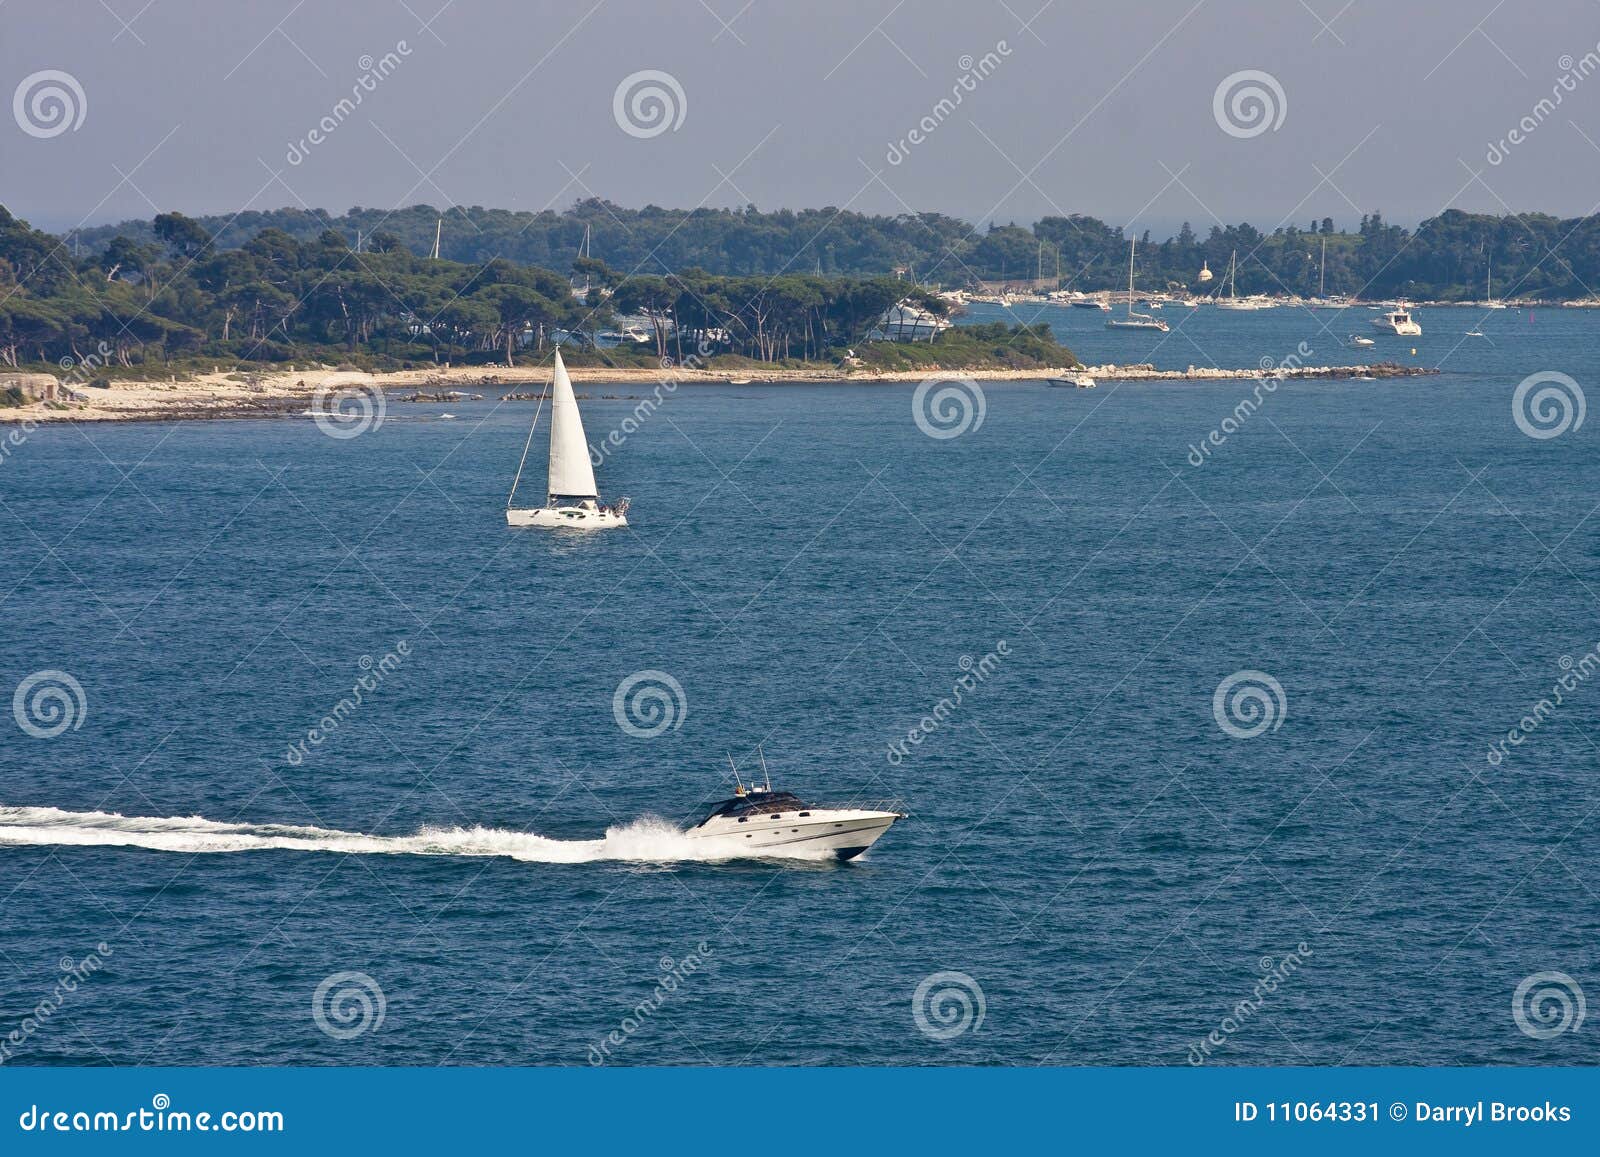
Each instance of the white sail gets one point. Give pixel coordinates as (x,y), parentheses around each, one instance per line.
(571,474)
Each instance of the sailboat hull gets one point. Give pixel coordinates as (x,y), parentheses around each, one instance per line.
(566,517)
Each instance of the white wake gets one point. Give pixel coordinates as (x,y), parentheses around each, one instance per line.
(644,840)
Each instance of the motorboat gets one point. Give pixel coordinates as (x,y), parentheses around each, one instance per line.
(1357,339)
(759,820)
(572,499)
(1398,321)
(1078,381)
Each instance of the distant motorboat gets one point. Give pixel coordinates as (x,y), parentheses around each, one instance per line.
(1473,333)
(1090,303)
(1077,381)
(761,820)
(1398,321)
(738,381)
(1357,339)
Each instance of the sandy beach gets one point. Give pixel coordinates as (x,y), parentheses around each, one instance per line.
(228,394)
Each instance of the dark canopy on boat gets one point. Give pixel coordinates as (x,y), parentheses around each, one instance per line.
(757,803)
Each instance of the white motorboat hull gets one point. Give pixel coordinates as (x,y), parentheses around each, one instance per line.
(820,832)
(570,517)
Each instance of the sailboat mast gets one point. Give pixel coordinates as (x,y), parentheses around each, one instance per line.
(1131,243)
(1322,278)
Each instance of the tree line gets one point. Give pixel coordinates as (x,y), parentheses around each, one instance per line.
(182,295)
(1445,257)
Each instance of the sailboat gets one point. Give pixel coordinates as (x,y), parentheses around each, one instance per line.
(1322,300)
(1135,320)
(1489,301)
(1233,300)
(572,498)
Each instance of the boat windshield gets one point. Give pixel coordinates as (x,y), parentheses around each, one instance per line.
(756,803)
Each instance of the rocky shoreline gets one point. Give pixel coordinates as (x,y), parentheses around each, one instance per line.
(243,396)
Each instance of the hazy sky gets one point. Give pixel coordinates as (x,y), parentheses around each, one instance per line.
(1107,109)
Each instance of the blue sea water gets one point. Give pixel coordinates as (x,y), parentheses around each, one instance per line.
(1111,869)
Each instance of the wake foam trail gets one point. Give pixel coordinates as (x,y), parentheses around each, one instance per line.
(647,839)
